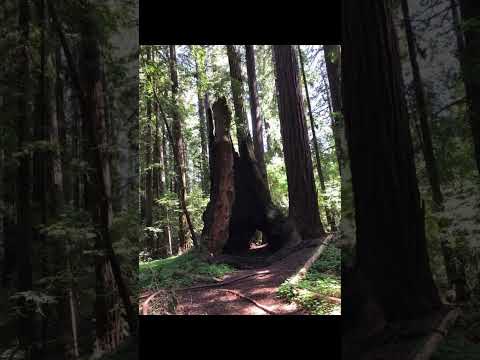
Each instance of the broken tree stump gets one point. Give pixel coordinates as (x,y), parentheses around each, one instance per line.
(240,201)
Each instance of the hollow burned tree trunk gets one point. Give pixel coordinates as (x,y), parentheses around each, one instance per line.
(240,202)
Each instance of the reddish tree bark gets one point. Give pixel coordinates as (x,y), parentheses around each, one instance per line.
(321,177)
(391,250)
(302,194)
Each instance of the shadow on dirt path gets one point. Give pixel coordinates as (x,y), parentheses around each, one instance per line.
(246,292)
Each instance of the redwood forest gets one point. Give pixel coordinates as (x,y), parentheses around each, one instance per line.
(410,87)
(240,180)
(147,184)
(69,225)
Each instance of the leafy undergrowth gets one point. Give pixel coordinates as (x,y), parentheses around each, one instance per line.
(179,271)
(462,341)
(459,226)
(321,281)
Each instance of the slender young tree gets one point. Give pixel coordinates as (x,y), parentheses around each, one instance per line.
(391,250)
(178,155)
(431,163)
(302,194)
(257,121)
(427,147)
(200,63)
(148,160)
(347,223)
(321,177)
(428,153)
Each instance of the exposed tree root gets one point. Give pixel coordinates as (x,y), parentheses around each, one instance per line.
(267,310)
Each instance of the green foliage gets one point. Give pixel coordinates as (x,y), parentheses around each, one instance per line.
(178,271)
(321,281)
(277,179)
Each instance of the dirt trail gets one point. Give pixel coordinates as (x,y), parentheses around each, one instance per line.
(261,287)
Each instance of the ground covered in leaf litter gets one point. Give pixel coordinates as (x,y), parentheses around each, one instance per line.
(247,292)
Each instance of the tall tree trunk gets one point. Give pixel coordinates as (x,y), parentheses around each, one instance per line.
(470,63)
(236,81)
(302,193)
(469,50)
(241,120)
(148,162)
(187,170)
(24,175)
(66,306)
(41,158)
(179,160)
(107,323)
(219,211)
(347,223)
(328,213)
(210,138)
(428,154)
(164,239)
(391,249)
(430,161)
(107,268)
(257,121)
(165,188)
(157,171)
(200,63)
(331,54)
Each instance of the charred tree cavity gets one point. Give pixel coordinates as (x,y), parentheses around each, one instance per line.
(240,202)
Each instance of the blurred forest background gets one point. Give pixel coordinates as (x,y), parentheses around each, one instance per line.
(68,178)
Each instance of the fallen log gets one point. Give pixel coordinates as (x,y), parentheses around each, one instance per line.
(302,271)
(437,335)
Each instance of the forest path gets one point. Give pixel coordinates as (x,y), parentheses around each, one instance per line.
(254,293)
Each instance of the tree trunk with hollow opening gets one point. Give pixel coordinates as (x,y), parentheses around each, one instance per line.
(240,202)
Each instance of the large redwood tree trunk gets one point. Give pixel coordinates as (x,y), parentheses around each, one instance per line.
(321,177)
(108,315)
(470,60)
(391,249)
(302,194)
(24,174)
